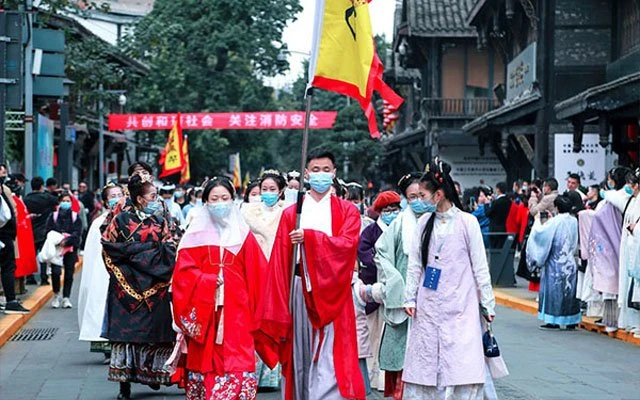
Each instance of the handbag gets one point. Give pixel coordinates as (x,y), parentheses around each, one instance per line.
(490,344)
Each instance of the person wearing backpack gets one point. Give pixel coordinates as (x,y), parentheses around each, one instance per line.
(68,223)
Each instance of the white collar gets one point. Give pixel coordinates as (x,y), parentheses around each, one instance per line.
(324,199)
(381,224)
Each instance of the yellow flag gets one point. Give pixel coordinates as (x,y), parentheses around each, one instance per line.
(185,174)
(343,55)
(237,177)
(172,159)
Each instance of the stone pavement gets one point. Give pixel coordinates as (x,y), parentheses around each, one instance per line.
(544,365)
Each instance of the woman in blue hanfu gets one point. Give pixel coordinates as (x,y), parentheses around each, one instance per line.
(551,247)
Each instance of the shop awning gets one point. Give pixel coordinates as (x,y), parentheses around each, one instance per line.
(505,114)
(601,99)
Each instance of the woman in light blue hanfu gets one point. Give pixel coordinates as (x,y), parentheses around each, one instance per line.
(551,247)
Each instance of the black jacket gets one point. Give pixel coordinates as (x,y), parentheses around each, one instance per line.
(497,212)
(87,198)
(8,231)
(66,224)
(42,204)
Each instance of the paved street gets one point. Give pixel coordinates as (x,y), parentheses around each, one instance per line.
(543,365)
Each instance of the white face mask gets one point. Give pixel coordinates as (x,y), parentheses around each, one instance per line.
(255,199)
(198,202)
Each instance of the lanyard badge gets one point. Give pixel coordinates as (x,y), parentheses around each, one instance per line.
(431,278)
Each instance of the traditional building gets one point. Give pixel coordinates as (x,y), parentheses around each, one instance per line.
(446,82)
(553,49)
(613,104)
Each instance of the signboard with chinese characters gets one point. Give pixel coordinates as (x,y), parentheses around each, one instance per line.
(590,163)
(472,169)
(521,72)
(242,120)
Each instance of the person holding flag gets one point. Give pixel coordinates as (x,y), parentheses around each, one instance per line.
(317,340)
(314,253)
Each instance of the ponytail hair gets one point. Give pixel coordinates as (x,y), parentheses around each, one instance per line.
(437,177)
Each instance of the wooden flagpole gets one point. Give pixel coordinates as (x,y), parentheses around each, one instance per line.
(303,165)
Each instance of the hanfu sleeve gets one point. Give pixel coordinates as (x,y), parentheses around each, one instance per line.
(389,276)
(194,284)
(414,268)
(330,262)
(255,270)
(479,266)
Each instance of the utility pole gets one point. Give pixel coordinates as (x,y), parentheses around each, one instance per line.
(101,139)
(28,97)
(3,79)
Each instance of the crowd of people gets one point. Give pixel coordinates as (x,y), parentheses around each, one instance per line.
(333,298)
(578,248)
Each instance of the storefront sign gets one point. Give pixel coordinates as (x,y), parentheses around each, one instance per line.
(44,157)
(590,163)
(241,120)
(521,72)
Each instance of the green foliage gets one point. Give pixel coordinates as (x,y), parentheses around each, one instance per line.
(211,56)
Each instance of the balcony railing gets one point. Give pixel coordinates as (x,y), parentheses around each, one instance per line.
(464,108)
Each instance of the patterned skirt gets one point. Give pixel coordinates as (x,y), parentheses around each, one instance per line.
(100,347)
(233,386)
(140,363)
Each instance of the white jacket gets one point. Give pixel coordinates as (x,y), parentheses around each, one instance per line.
(51,253)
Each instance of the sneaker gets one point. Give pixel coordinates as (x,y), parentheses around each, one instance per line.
(13,307)
(611,329)
(66,303)
(570,327)
(44,282)
(56,301)
(549,327)
(31,280)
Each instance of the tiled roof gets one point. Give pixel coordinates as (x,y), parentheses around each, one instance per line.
(432,18)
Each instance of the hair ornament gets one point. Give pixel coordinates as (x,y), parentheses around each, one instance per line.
(270,172)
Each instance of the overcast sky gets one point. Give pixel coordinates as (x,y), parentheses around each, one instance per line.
(298,35)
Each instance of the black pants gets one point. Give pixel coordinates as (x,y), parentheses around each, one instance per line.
(69,262)
(43,266)
(8,270)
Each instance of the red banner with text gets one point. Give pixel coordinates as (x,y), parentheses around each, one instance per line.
(241,120)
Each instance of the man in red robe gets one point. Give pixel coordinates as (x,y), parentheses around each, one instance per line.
(317,344)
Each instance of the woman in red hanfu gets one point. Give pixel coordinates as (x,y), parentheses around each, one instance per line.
(216,286)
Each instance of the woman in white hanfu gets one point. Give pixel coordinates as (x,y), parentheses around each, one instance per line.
(629,277)
(263,219)
(94,282)
(448,287)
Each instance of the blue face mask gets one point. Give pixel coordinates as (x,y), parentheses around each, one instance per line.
(419,207)
(219,211)
(113,202)
(628,190)
(602,192)
(65,205)
(290,195)
(388,217)
(178,195)
(610,186)
(269,198)
(198,202)
(320,181)
(153,207)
